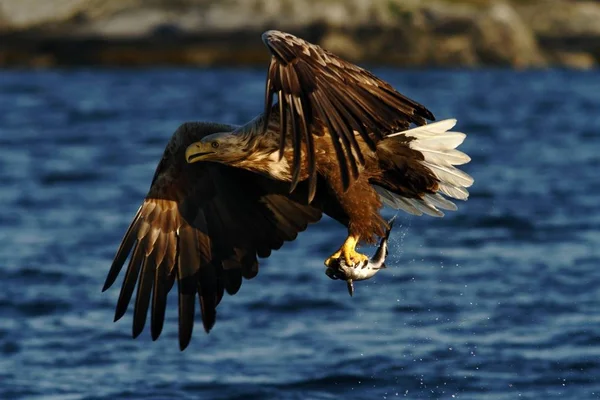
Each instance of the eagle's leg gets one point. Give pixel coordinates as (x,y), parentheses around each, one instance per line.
(348,251)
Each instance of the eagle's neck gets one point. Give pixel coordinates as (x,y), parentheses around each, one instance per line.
(260,154)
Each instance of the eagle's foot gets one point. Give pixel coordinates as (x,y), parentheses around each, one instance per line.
(349,253)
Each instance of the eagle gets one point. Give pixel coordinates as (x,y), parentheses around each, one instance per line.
(333,139)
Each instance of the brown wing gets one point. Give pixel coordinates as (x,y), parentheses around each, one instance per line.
(313,84)
(201,225)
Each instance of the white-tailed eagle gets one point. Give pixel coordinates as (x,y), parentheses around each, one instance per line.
(336,140)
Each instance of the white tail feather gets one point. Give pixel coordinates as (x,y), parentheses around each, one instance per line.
(433,128)
(449,174)
(458,193)
(427,208)
(438,146)
(439,201)
(444,157)
(386,196)
(446,141)
(408,206)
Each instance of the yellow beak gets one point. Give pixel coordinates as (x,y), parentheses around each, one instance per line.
(198,151)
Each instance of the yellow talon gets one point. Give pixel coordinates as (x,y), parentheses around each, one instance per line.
(333,257)
(348,251)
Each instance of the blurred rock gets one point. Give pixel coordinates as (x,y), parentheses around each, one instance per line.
(563,18)
(343,45)
(24,14)
(455,51)
(501,37)
(574,60)
(566,27)
(411,33)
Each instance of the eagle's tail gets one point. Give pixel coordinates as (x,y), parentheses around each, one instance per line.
(418,166)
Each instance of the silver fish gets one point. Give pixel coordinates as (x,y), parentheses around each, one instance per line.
(363,270)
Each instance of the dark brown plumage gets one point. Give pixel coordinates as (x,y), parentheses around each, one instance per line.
(193,228)
(327,146)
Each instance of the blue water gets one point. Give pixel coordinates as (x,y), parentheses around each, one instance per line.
(500,300)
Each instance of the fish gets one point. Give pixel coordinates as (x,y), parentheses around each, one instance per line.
(339,270)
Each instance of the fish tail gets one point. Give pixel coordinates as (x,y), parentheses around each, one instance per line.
(390,226)
(350,285)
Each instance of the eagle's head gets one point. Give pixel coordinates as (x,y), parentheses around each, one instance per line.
(223,147)
(242,151)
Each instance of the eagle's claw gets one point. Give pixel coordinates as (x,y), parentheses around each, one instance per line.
(348,252)
(355,259)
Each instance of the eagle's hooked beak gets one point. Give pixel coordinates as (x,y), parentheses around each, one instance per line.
(197,151)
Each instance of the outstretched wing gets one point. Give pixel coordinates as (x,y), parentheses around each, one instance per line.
(201,225)
(313,85)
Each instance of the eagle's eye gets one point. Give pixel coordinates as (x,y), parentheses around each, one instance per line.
(214,145)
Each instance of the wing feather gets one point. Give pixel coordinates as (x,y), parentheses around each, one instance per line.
(232,279)
(296,140)
(126,245)
(129,282)
(159,299)
(142,301)
(283,111)
(250,266)
(338,124)
(339,151)
(209,292)
(188,265)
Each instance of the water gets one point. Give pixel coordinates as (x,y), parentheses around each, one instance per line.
(499,300)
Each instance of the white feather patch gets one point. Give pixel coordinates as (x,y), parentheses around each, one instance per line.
(434,128)
(438,145)
(459,193)
(418,207)
(444,157)
(447,141)
(438,200)
(408,206)
(449,174)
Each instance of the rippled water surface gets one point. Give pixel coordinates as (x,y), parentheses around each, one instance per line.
(499,300)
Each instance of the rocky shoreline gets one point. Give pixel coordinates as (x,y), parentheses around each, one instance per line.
(407,33)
